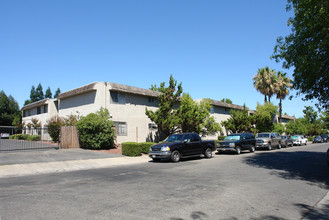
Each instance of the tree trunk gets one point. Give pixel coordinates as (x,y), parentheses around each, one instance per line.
(280,110)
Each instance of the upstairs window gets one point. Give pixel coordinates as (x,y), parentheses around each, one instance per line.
(118,98)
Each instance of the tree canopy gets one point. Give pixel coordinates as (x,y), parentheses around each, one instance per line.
(9,109)
(306,49)
(239,121)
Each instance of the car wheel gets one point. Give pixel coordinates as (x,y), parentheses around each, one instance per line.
(279,146)
(305,143)
(208,153)
(175,156)
(252,149)
(238,150)
(269,147)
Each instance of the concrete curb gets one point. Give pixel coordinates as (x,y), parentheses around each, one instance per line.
(320,210)
(66,166)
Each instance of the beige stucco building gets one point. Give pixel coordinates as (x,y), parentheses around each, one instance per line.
(126,105)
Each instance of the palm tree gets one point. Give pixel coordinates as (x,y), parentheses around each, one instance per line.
(282,89)
(265,82)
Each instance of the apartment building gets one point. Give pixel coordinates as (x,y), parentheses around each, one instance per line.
(126,105)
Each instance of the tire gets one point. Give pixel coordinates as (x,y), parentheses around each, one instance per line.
(252,149)
(279,146)
(305,143)
(175,156)
(208,153)
(269,147)
(238,150)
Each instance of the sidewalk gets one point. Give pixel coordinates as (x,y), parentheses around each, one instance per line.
(53,161)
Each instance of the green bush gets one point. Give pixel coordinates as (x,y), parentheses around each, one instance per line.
(54,125)
(34,138)
(310,139)
(25,137)
(95,130)
(133,149)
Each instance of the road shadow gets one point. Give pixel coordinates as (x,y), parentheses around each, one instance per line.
(301,165)
(310,213)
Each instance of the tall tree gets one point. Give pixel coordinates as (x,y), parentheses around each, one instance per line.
(58,91)
(306,49)
(265,82)
(282,89)
(263,118)
(310,114)
(48,94)
(166,116)
(39,93)
(33,95)
(9,109)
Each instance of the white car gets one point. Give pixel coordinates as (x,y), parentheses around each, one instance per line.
(299,140)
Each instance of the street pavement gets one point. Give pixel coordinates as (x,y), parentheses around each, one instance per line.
(64,160)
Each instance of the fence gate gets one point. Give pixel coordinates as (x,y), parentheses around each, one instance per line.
(69,137)
(13,139)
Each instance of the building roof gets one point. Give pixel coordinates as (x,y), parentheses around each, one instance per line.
(35,104)
(226,105)
(80,90)
(133,90)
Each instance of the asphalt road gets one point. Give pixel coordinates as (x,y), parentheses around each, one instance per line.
(276,185)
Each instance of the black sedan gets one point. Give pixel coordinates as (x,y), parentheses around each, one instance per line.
(324,137)
(287,141)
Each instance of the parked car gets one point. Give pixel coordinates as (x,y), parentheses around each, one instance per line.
(299,140)
(4,135)
(286,141)
(179,146)
(328,156)
(324,137)
(317,139)
(237,143)
(268,141)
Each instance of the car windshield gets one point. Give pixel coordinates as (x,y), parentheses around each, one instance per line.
(284,137)
(295,137)
(175,138)
(232,137)
(263,135)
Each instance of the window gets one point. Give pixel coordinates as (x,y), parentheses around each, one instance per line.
(121,128)
(45,109)
(151,99)
(212,110)
(38,110)
(118,98)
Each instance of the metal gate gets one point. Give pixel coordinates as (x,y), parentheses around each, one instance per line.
(13,139)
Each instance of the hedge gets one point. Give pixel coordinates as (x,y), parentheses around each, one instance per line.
(133,149)
(25,137)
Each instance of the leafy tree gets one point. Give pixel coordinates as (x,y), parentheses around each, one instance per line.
(279,128)
(159,89)
(306,49)
(166,116)
(9,109)
(48,94)
(263,118)
(324,117)
(265,82)
(282,89)
(96,131)
(238,122)
(195,117)
(58,91)
(296,127)
(226,100)
(310,115)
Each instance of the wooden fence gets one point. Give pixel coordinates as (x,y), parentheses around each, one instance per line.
(69,137)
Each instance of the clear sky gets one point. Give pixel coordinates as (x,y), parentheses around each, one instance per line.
(213,47)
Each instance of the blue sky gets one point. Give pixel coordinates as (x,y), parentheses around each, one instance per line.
(213,47)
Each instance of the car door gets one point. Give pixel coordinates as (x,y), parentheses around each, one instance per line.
(244,141)
(274,140)
(187,148)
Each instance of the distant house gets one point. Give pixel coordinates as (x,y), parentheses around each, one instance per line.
(126,105)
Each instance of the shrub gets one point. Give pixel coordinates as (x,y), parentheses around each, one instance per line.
(136,149)
(54,125)
(95,130)
(25,137)
(310,139)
